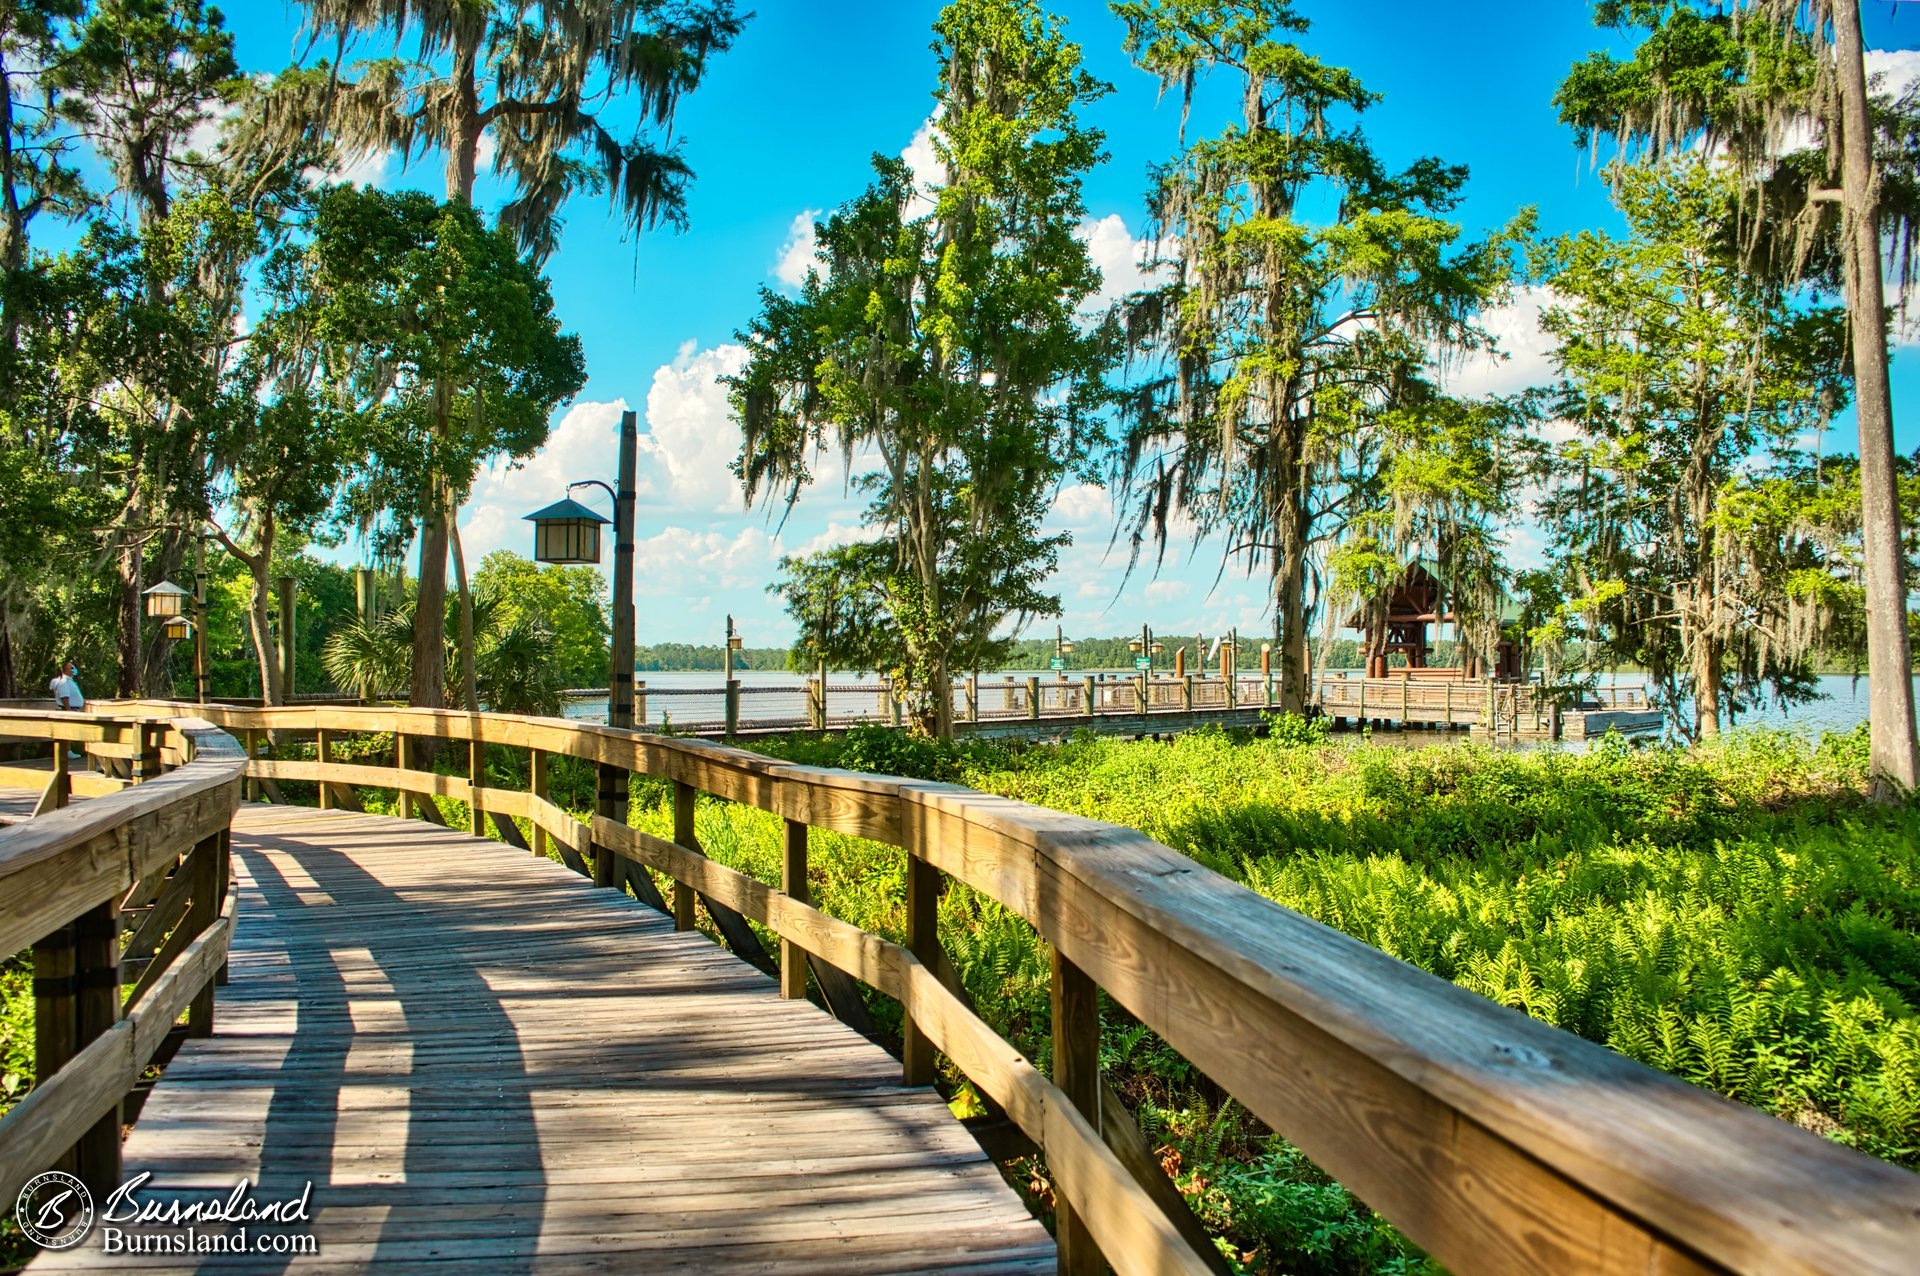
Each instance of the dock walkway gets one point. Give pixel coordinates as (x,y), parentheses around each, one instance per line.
(480,1060)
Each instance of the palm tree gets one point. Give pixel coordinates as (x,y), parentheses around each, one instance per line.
(516,661)
(533,78)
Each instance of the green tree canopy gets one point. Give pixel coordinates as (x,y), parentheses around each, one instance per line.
(951,346)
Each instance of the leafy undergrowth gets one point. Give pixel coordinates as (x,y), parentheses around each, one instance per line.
(1736,914)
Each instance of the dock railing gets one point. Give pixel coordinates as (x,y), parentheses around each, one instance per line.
(1499,1144)
(123,900)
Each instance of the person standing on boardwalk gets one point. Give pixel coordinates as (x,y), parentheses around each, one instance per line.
(65,687)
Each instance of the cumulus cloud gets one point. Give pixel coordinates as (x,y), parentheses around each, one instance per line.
(1162,592)
(1122,260)
(1083,506)
(686,562)
(691,439)
(838,533)
(800,252)
(1524,354)
(923,162)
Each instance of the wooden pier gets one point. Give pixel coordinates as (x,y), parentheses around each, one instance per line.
(477,1058)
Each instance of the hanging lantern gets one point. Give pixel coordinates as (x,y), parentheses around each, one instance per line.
(567,533)
(166,599)
(178,628)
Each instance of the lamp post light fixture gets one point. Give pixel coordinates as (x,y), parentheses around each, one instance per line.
(177,628)
(166,599)
(568,533)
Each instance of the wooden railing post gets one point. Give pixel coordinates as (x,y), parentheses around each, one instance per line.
(793,880)
(1186,692)
(146,755)
(96,981)
(1090,692)
(923,941)
(1076,1070)
(55,1009)
(537,785)
(476,780)
(60,788)
(817,703)
(206,894)
(684,797)
(973,697)
(402,761)
(1033,698)
(640,702)
(323,746)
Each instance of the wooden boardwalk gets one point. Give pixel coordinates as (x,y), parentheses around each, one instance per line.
(482,1062)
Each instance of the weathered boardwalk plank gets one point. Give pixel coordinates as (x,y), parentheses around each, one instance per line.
(482,1062)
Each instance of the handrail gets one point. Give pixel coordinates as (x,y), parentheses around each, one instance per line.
(1496,1142)
(159,846)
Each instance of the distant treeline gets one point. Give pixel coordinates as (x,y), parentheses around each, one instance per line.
(681,657)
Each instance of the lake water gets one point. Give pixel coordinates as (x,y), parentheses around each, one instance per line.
(768,696)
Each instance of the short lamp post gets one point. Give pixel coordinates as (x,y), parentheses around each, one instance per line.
(1062,648)
(568,533)
(733,683)
(167,603)
(1144,649)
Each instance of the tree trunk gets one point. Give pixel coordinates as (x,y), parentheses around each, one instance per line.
(129,614)
(469,686)
(1290,576)
(429,689)
(941,689)
(260,626)
(1707,677)
(1894,760)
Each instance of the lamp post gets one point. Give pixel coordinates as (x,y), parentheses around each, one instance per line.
(1144,648)
(733,683)
(1062,647)
(569,533)
(202,672)
(167,603)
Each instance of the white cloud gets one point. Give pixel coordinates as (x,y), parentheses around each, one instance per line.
(923,162)
(1122,260)
(838,533)
(1083,506)
(1162,592)
(683,563)
(800,253)
(691,438)
(1523,356)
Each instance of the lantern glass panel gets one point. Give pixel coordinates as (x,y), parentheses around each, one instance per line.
(166,599)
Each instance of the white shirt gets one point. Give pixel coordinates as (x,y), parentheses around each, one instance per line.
(67,693)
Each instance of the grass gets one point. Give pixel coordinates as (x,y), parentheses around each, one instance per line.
(1736,914)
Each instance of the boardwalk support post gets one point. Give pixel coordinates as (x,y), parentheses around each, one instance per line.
(684,796)
(537,785)
(1076,1070)
(923,941)
(1033,699)
(793,880)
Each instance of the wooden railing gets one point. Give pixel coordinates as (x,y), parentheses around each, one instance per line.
(1498,1143)
(124,902)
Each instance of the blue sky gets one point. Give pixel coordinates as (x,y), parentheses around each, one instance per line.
(786,123)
